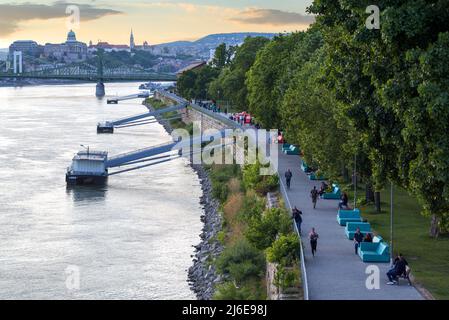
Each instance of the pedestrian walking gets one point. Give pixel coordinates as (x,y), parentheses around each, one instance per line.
(296,215)
(313,237)
(314,195)
(288,178)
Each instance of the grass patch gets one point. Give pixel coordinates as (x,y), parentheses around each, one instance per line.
(428,257)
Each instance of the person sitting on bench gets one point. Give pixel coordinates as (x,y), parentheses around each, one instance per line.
(323,188)
(399,269)
(344,201)
(368,238)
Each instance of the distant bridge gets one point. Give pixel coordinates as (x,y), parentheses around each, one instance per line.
(92,71)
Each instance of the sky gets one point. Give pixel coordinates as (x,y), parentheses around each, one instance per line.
(158,21)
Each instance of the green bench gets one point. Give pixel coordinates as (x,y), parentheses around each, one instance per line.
(345,216)
(334,195)
(376,251)
(351,227)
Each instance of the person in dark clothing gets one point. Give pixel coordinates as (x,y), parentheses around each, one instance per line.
(314,195)
(358,238)
(344,201)
(368,238)
(323,188)
(399,268)
(288,177)
(313,237)
(296,215)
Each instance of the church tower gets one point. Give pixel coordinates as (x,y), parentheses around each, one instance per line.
(132,45)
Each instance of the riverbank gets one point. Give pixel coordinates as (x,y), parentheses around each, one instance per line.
(202,275)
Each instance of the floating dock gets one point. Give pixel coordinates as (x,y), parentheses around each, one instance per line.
(141,95)
(136,120)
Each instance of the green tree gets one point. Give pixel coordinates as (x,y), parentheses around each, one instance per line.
(220,57)
(263,230)
(391,84)
(241,262)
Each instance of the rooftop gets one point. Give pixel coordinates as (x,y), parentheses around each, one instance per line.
(92,155)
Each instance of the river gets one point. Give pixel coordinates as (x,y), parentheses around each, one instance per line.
(129,240)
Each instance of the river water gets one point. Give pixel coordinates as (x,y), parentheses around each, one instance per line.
(129,240)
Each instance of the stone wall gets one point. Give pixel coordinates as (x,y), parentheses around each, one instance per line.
(273,292)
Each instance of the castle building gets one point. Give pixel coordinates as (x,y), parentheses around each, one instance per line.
(69,51)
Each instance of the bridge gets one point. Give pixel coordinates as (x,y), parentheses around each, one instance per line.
(92,70)
(135,120)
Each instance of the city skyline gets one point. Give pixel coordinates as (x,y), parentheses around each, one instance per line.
(153,21)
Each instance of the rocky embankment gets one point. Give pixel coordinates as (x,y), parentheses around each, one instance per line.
(202,276)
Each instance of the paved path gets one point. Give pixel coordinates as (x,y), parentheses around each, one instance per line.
(335,273)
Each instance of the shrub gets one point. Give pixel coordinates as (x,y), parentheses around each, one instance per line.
(252,206)
(241,262)
(252,179)
(228,291)
(262,231)
(220,191)
(284,250)
(287,277)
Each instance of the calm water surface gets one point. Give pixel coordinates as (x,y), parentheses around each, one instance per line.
(129,240)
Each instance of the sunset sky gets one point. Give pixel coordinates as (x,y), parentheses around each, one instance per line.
(155,21)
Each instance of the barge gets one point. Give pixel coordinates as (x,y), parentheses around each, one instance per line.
(88,168)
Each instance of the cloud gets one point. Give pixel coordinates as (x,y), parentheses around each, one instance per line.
(11,15)
(272,17)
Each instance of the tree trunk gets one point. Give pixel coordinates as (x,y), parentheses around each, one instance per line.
(345,174)
(435,226)
(369,193)
(377,201)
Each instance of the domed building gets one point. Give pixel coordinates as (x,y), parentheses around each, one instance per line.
(69,51)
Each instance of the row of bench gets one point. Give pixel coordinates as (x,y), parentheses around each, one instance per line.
(312,172)
(376,251)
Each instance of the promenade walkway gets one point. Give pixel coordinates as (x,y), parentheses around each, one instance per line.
(335,273)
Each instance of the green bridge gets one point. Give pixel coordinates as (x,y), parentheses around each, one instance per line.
(92,72)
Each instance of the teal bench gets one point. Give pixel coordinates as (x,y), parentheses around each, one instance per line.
(304,167)
(334,195)
(292,151)
(376,251)
(285,147)
(351,227)
(345,216)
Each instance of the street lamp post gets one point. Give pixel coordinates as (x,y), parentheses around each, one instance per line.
(355,181)
(391,222)
(82,145)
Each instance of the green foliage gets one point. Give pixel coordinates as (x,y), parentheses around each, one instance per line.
(228,291)
(287,277)
(193,84)
(268,79)
(284,250)
(252,179)
(263,230)
(392,84)
(220,176)
(231,81)
(252,207)
(241,262)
